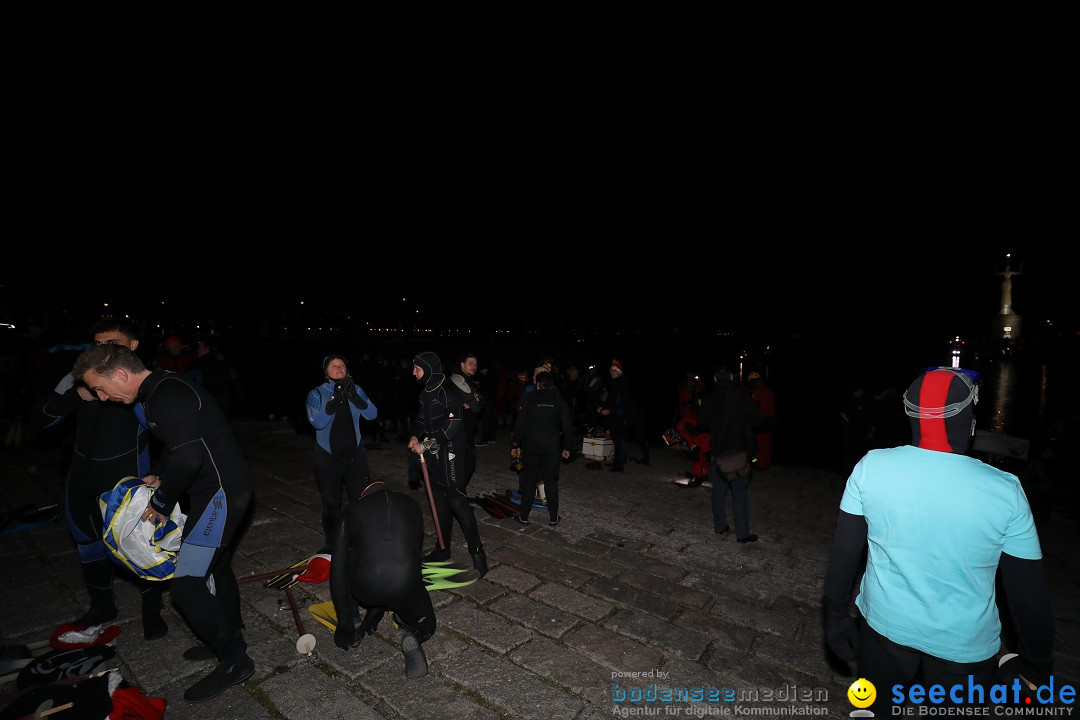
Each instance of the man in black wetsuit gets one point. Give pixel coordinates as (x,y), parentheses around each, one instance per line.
(377,566)
(542,434)
(465,381)
(437,437)
(110,445)
(200,457)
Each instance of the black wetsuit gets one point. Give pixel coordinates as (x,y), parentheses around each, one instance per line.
(202,459)
(376,565)
(542,431)
(440,418)
(470,417)
(110,445)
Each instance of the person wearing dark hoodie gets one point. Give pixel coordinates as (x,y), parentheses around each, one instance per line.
(729,415)
(438,440)
(939,525)
(334,409)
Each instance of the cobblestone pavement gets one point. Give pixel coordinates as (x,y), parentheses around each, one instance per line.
(632,588)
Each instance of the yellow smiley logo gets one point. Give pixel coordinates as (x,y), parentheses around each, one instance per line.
(862,693)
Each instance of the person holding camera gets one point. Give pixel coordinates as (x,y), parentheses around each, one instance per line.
(334,409)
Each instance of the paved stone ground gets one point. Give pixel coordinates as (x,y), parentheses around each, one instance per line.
(633,581)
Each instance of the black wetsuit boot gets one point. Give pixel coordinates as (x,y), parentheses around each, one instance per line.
(99,578)
(479,559)
(153,626)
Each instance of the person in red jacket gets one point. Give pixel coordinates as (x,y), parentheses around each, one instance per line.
(765,400)
(176,356)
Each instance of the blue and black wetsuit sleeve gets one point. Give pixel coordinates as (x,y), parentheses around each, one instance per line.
(319,414)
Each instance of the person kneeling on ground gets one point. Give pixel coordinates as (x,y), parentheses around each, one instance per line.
(377,566)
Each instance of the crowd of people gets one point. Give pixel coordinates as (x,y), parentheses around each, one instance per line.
(168,422)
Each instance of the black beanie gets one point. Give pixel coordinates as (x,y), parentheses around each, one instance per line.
(327,360)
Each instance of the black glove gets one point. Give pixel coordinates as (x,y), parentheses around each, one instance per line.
(335,399)
(161,506)
(840,631)
(348,389)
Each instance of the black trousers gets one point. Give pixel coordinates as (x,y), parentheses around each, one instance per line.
(885,663)
(449,476)
(331,474)
(537,467)
(205,556)
(619,447)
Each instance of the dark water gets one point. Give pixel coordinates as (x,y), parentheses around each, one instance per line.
(1017,396)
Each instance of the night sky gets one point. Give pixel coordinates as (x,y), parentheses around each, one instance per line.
(693,128)
(851,176)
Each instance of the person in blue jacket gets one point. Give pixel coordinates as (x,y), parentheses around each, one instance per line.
(334,409)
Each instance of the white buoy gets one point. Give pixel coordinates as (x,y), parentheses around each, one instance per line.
(305,644)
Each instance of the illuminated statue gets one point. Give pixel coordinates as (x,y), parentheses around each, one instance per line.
(1006,286)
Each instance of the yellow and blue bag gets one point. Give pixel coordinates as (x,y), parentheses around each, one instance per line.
(148,550)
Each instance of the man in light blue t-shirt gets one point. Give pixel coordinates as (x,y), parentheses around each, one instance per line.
(938,524)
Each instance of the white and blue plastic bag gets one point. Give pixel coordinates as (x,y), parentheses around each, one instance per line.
(148,550)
